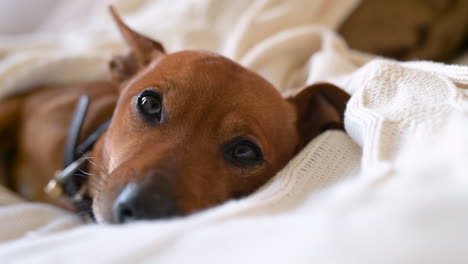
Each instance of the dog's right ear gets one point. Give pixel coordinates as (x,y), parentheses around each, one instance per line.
(142,51)
(319,107)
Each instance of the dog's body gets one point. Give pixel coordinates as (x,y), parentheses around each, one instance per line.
(189,130)
(44,115)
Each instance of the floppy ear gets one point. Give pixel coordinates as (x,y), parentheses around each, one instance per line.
(142,51)
(319,107)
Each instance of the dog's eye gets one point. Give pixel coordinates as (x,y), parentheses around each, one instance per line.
(150,105)
(243,153)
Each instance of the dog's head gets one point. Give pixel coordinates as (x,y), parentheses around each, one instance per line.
(193,129)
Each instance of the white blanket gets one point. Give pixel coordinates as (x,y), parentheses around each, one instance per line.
(394,189)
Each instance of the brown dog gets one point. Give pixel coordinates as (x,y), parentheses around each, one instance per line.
(189,130)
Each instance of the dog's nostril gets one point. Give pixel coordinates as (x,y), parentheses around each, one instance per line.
(125,206)
(125,214)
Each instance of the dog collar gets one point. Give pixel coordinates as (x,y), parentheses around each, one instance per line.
(70,179)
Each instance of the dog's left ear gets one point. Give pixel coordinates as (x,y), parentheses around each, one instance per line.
(318,107)
(142,51)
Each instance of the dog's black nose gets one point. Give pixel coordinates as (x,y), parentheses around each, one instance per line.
(142,203)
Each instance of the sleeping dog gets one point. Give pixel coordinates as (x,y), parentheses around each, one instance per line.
(169,135)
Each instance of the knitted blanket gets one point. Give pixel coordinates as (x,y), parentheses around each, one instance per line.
(393,189)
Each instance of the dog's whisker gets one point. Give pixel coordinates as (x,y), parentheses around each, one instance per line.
(87,173)
(91,180)
(101,167)
(87,177)
(90,159)
(93,183)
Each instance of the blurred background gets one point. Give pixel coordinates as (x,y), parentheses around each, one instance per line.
(400,29)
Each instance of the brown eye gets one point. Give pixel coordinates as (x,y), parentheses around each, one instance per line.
(243,153)
(150,106)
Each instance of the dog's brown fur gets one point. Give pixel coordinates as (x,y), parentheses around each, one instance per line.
(208,101)
(35,126)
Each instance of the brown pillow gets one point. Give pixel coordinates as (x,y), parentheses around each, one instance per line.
(408,29)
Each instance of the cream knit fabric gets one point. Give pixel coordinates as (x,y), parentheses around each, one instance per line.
(391,190)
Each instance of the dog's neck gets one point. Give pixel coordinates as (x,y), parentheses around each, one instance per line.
(72,180)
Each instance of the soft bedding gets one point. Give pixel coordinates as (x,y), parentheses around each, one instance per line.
(393,189)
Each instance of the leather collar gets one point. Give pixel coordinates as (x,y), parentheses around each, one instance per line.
(69,181)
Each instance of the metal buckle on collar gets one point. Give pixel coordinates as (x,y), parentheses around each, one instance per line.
(55,187)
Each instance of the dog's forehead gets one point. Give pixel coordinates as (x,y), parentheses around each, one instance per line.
(205,77)
(201,69)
